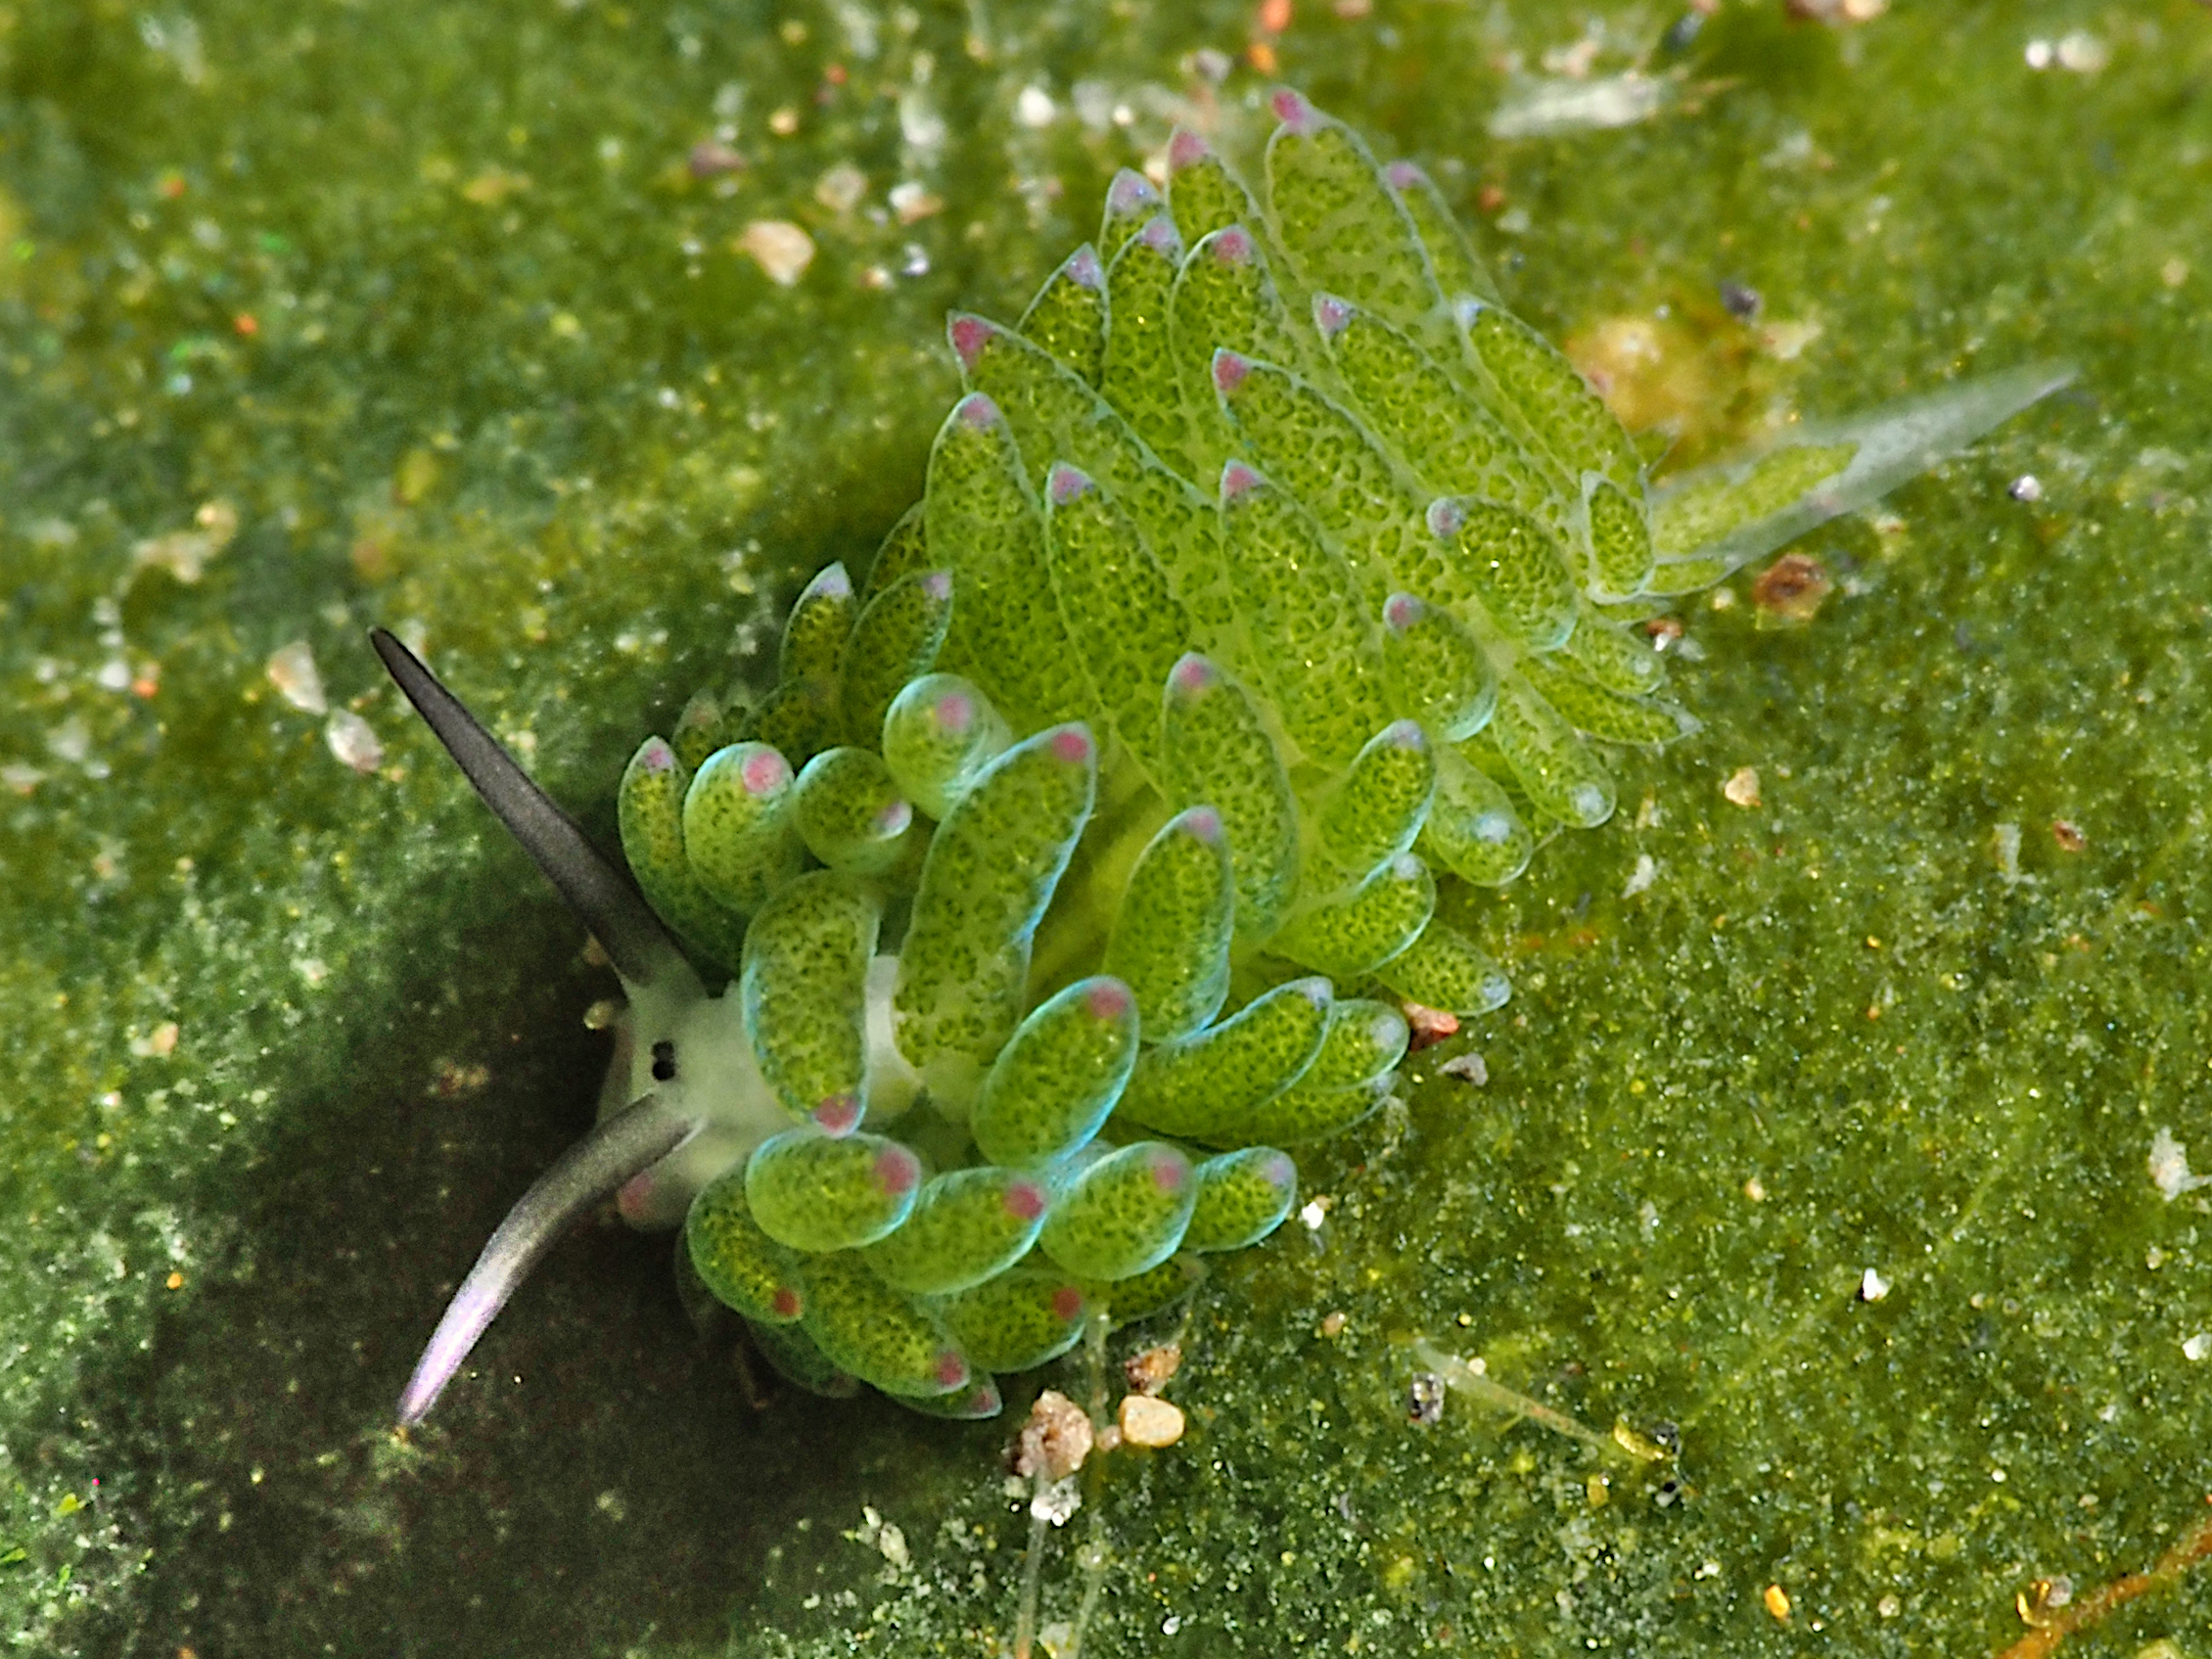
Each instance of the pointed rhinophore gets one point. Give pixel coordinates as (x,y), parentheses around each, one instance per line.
(627,1145)
(600,896)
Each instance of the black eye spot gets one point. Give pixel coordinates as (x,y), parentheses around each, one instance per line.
(663,1061)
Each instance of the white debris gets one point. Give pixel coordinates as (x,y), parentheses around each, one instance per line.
(2197,1346)
(2169,1167)
(1872,1287)
(782,249)
(1034,107)
(1640,878)
(292,671)
(1541,106)
(354,740)
(841,188)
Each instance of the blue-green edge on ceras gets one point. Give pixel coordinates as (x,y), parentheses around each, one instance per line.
(1086,855)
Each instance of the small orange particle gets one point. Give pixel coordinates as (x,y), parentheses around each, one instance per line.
(1777,1599)
(1148,1372)
(171,186)
(1332,1324)
(1274,15)
(247,325)
(835,75)
(1429,1026)
(1491,197)
(2068,835)
(175,1281)
(1262,57)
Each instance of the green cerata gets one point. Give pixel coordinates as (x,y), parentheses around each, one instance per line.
(1082,860)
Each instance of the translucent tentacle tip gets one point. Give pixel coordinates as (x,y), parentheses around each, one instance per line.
(1025,1200)
(954,712)
(1205,823)
(1065,482)
(1405,735)
(1108,998)
(1131,193)
(1445,517)
(1161,236)
(1185,149)
(832,582)
(1081,267)
(837,1117)
(938,584)
(657,757)
(1232,245)
(1192,675)
(975,410)
(1330,315)
(1465,309)
(1402,612)
(898,1170)
(1238,479)
(1403,175)
(1072,744)
(892,819)
(1293,111)
(969,336)
(1230,369)
(765,772)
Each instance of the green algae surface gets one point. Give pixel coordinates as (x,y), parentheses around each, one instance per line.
(1839,1151)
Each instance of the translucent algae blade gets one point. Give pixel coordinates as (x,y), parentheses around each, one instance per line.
(849,811)
(1435,670)
(1131,203)
(1342,226)
(1472,829)
(1121,1214)
(1058,1078)
(1620,543)
(1300,1113)
(650,813)
(897,637)
(743,1267)
(939,734)
(1601,714)
(1451,444)
(1581,432)
(794,1357)
(1379,804)
(803,996)
(1561,776)
(1018,1320)
(1885,447)
(1219,755)
(1365,1038)
(1493,565)
(1311,641)
(1446,969)
(814,633)
(984,525)
(738,835)
(1195,1086)
(1458,268)
(1202,193)
(1318,451)
(1352,935)
(904,550)
(1611,656)
(966,1225)
(992,870)
(1138,373)
(1171,936)
(877,1333)
(1068,316)
(1243,1196)
(1118,601)
(816,1193)
(1224,298)
(1055,418)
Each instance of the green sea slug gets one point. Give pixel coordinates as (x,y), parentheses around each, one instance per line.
(1082,858)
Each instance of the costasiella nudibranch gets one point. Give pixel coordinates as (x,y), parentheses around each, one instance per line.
(1081,861)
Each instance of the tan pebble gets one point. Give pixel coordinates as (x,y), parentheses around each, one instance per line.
(782,248)
(1332,1324)
(1146,1421)
(1777,1599)
(1742,787)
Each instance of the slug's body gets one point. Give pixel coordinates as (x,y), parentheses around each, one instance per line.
(1081,861)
